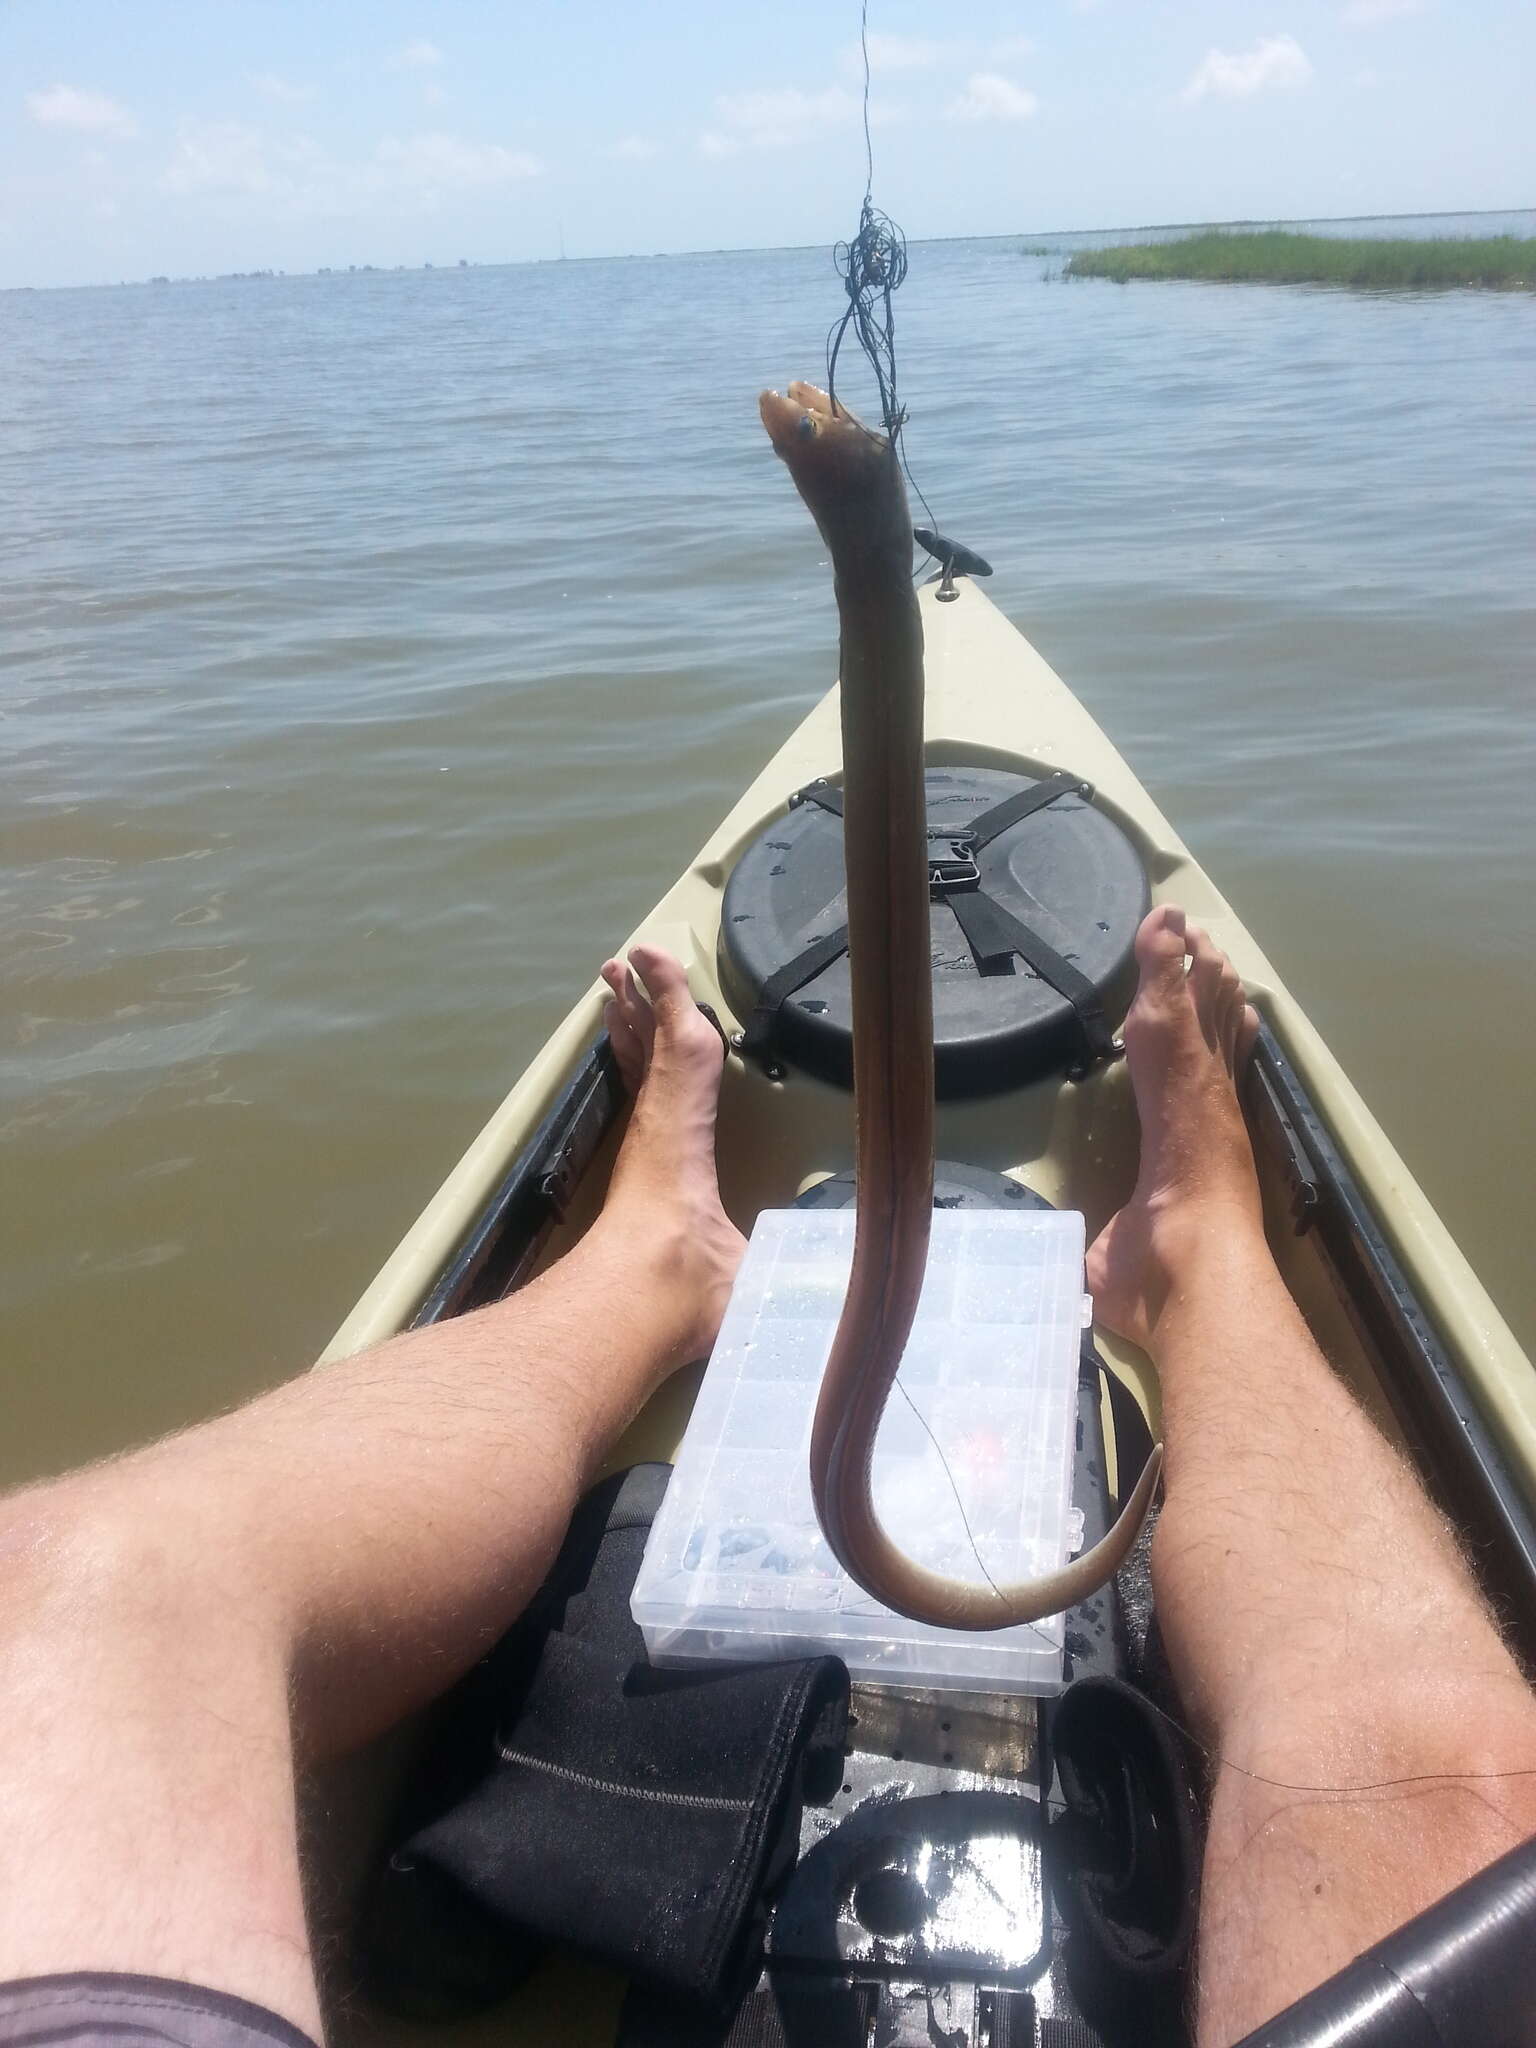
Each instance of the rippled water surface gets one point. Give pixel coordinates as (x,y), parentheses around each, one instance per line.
(374,649)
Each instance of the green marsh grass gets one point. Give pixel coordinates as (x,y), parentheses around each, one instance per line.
(1498,263)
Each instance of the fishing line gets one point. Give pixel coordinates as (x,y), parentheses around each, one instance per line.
(1219,1762)
(873,266)
(965,1519)
(1214,1759)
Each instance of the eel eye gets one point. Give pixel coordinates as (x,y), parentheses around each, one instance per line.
(807,427)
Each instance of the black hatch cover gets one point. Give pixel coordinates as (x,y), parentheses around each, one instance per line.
(1064,873)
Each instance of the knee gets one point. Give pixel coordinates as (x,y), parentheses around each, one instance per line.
(116,1548)
(59,1551)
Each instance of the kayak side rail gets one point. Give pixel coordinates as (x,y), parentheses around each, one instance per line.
(1444,1429)
(503,1243)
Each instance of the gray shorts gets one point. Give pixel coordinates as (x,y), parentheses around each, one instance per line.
(99,2009)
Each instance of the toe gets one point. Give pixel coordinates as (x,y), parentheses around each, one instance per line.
(1160,951)
(665,981)
(1247,1036)
(1229,1012)
(687,1029)
(633,1011)
(678,1022)
(1205,965)
(626,1046)
(640,1016)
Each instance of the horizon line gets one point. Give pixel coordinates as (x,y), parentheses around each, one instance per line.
(754,249)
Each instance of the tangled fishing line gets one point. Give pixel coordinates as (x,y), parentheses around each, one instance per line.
(873,266)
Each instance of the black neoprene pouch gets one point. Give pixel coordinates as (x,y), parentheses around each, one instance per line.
(571,1793)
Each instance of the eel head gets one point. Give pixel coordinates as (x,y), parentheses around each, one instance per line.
(848,476)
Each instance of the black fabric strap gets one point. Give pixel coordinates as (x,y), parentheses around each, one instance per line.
(825,795)
(984,829)
(994,935)
(991,932)
(991,823)
(778,988)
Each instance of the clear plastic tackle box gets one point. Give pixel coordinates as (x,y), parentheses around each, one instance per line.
(972,1469)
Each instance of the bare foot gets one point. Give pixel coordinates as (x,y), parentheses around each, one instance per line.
(664,1194)
(1188,1034)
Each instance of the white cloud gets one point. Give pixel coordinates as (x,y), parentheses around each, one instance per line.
(86,112)
(1237,74)
(1371,13)
(989,97)
(634,149)
(898,53)
(927,53)
(231,156)
(284,90)
(774,119)
(446,161)
(419,55)
(298,176)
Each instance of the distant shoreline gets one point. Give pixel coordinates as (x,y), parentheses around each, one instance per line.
(1366,263)
(1259,221)
(759,249)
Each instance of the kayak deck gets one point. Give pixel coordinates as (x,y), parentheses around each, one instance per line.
(1389,1297)
(993,701)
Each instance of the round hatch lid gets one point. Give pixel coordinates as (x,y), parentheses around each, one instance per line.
(1033,915)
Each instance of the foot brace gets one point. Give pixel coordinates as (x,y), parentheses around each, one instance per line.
(570,1793)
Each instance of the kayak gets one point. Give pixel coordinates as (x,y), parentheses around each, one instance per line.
(1392,1301)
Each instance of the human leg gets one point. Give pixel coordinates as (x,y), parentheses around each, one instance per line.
(1321,1624)
(176,1625)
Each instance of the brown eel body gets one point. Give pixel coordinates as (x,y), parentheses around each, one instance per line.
(851,481)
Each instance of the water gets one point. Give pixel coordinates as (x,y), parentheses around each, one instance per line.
(374,649)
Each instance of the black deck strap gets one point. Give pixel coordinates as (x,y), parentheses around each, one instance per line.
(994,935)
(778,988)
(711,1016)
(983,830)
(825,795)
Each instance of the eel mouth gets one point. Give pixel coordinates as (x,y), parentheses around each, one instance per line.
(800,414)
(825,448)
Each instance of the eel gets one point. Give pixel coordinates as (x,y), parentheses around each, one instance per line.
(850,480)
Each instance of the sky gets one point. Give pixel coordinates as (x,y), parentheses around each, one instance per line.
(160,138)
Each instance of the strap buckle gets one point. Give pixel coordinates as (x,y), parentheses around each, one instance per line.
(951,872)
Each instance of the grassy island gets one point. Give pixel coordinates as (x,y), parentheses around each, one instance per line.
(1500,263)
